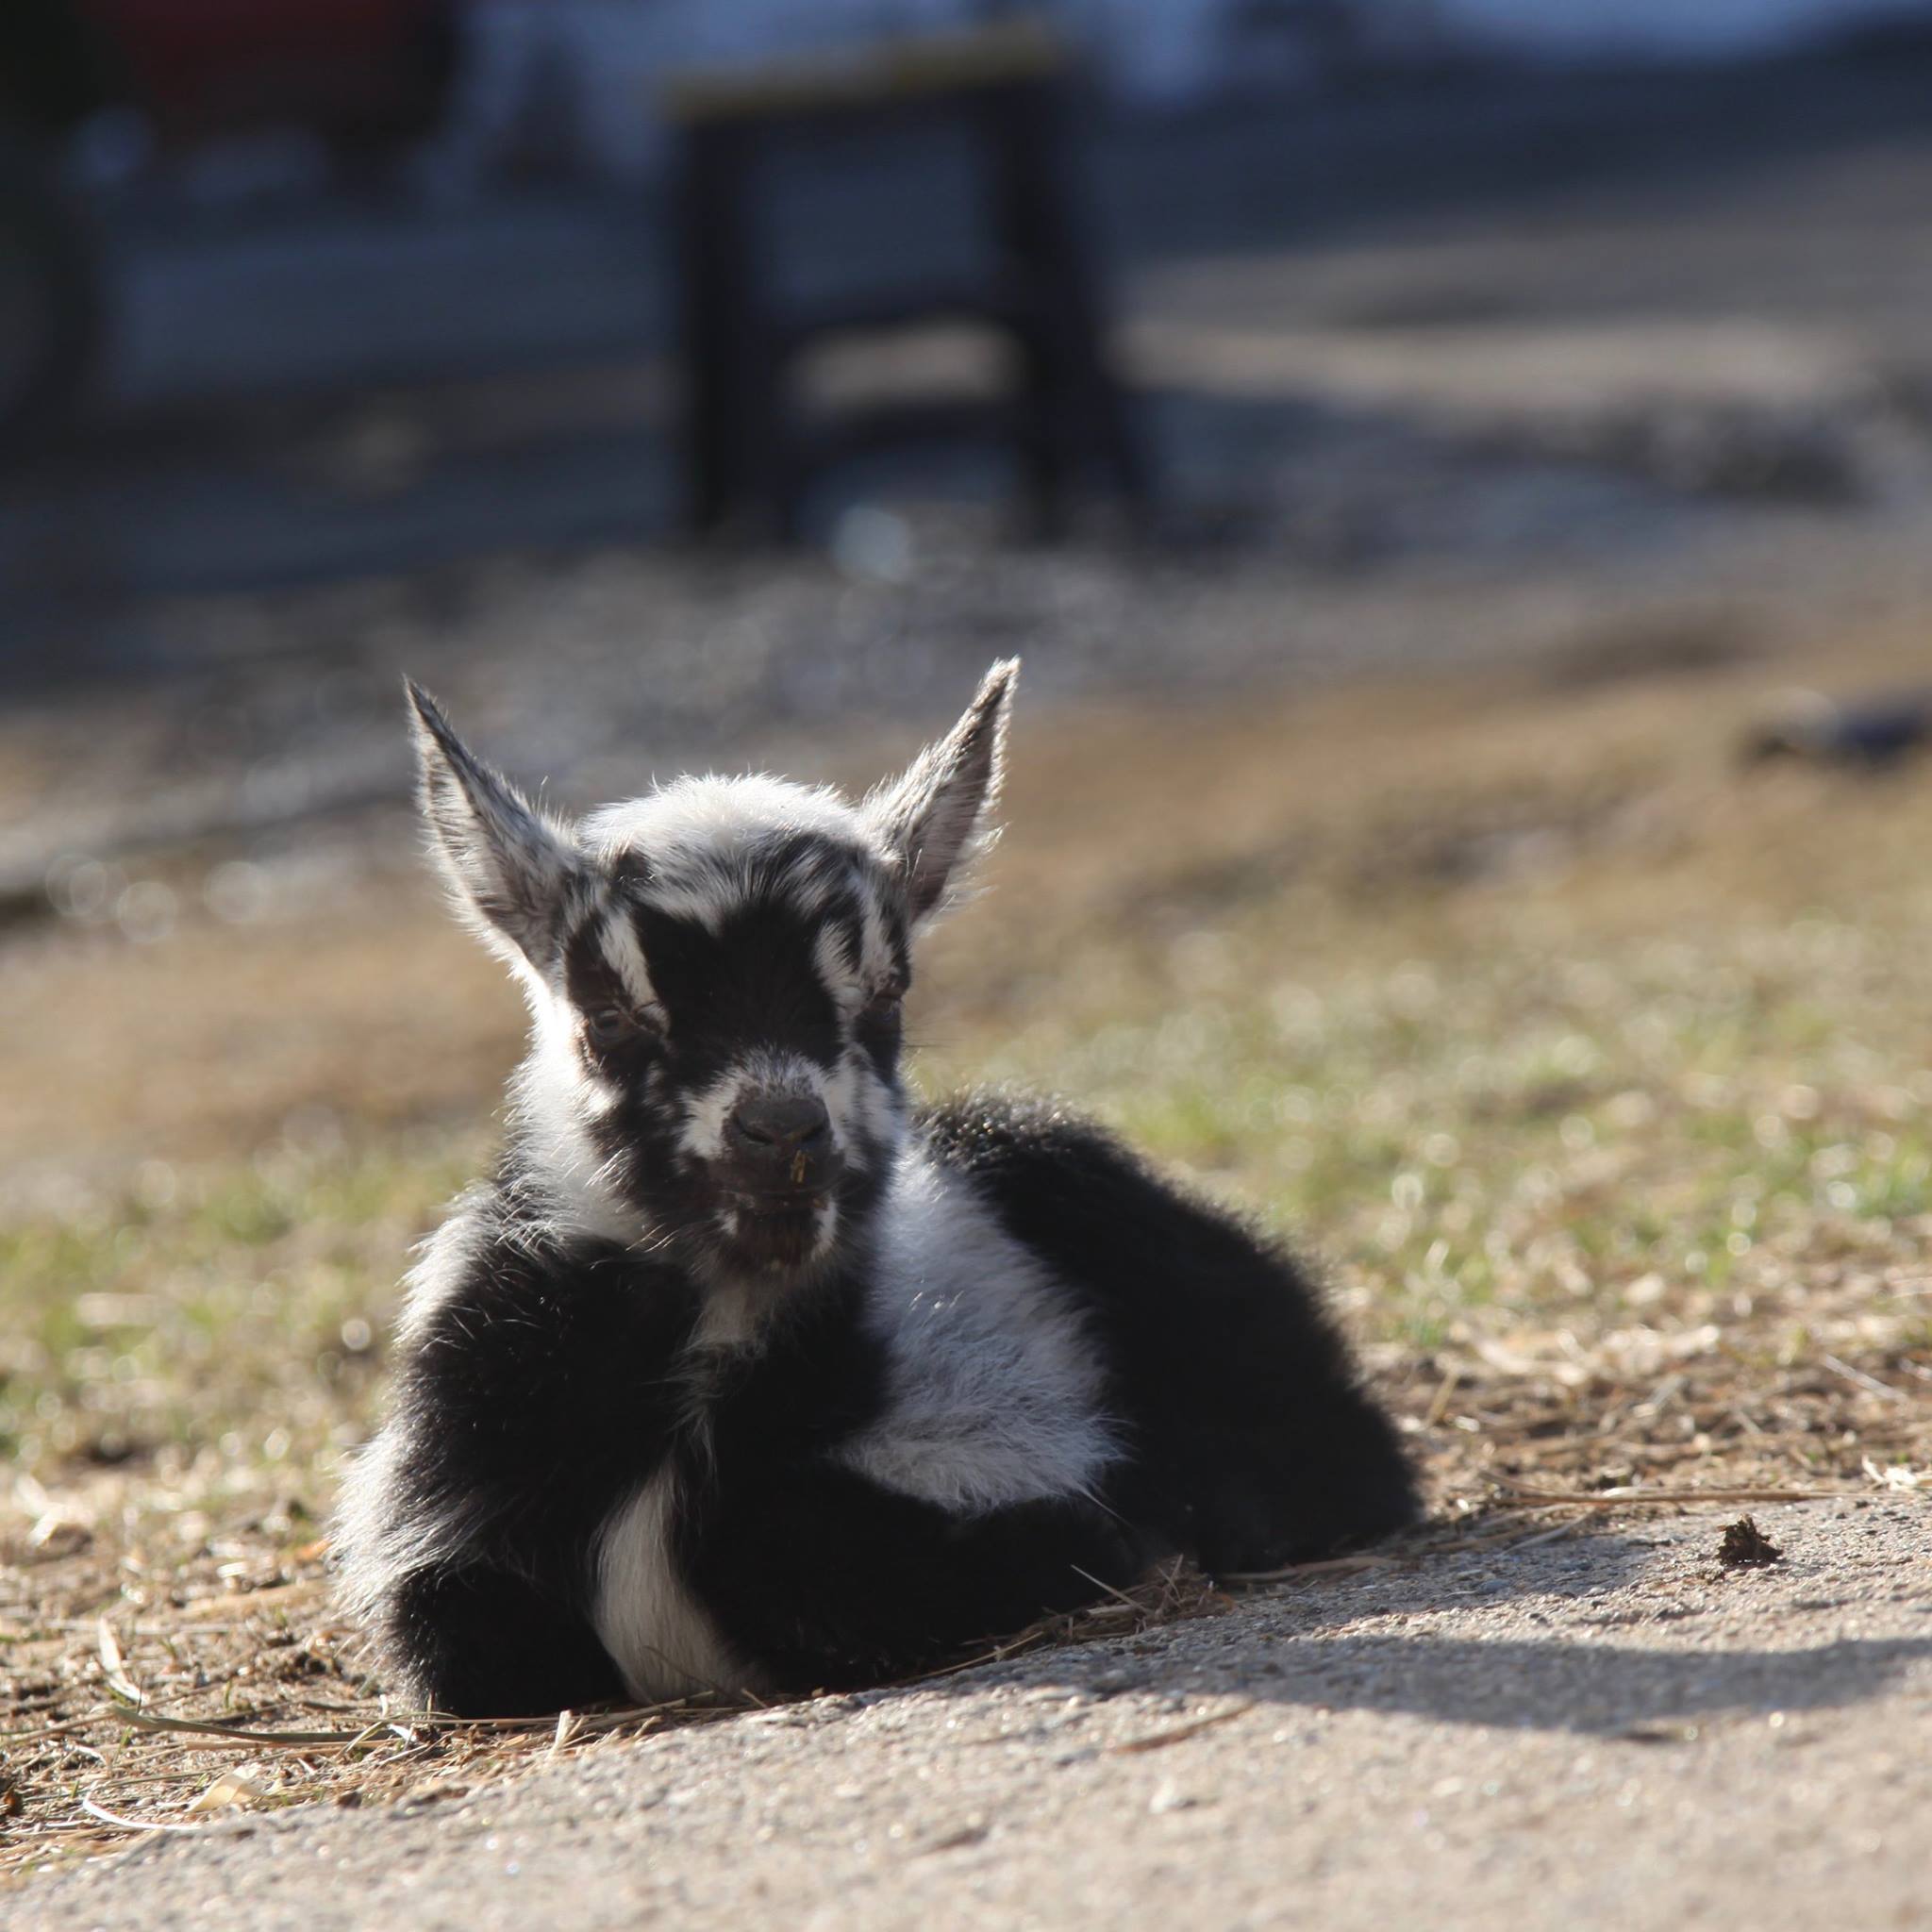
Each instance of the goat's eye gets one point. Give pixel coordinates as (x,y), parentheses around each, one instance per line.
(612,1026)
(884,998)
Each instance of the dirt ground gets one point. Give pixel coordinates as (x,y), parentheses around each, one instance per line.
(1609,1728)
(1562,1370)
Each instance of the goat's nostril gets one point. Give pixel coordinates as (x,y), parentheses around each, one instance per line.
(776,1128)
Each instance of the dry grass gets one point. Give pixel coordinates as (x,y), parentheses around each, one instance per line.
(248,1697)
(1599,1070)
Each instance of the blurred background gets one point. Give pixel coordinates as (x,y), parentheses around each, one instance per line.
(347,334)
(1460,475)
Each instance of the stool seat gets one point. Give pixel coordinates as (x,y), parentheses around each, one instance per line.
(875,75)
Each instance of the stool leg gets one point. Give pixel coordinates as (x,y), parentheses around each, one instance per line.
(1074,404)
(1020,159)
(712,290)
(767,451)
(737,443)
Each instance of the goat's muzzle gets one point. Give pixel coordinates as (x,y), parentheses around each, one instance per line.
(779,1153)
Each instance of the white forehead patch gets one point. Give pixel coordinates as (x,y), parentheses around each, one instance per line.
(877,960)
(708,843)
(852,965)
(702,834)
(813,883)
(723,817)
(617,939)
(837,969)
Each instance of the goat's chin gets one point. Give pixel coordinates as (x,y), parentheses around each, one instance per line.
(781,1238)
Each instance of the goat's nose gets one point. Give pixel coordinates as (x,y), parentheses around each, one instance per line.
(777,1128)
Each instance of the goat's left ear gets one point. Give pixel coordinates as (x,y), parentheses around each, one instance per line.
(939,817)
(509,870)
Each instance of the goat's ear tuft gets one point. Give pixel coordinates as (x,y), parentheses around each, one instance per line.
(510,871)
(939,817)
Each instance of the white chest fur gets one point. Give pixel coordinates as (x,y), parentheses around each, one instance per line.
(994,1387)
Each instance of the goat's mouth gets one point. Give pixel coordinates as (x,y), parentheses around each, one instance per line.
(782,1230)
(775,1204)
(779,1205)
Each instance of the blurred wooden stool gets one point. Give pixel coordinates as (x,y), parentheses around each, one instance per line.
(748,454)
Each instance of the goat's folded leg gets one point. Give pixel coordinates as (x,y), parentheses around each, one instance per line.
(475,1641)
(831,1582)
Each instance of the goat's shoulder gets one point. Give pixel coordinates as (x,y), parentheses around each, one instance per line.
(517,1340)
(1085,1203)
(1029,1157)
(519,1352)
(500,1292)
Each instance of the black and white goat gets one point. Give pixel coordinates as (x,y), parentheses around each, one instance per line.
(742,1373)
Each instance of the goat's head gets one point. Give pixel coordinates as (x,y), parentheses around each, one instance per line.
(714,972)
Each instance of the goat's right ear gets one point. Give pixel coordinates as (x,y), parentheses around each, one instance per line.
(509,870)
(936,819)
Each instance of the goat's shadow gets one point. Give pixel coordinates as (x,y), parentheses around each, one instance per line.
(1292,1647)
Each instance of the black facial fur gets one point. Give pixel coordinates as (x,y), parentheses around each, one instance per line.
(738,990)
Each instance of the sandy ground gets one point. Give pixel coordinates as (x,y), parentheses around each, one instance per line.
(1607,1728)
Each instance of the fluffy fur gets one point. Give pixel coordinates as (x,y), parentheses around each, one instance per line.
(742,1375)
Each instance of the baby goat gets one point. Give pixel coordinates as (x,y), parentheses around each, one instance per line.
(742,1373)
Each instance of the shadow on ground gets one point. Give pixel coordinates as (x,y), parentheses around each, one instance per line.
(1296,1646)
(1587,1687)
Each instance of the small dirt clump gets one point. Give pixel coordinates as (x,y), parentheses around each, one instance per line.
(1747,1547)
